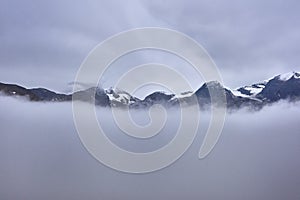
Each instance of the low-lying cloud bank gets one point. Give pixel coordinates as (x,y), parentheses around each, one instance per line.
(257,157)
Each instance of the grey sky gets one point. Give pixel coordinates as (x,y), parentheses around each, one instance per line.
(42,43)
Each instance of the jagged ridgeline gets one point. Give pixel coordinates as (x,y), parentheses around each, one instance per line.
(255,96)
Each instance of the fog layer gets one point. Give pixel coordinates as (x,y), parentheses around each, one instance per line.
(257,157)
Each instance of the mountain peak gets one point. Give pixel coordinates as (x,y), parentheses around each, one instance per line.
(117,96)
(213,84)
(284,86)
(288,76)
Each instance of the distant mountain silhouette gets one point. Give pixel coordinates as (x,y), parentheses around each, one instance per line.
(255,96)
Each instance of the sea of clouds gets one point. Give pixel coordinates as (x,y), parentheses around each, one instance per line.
(42,157)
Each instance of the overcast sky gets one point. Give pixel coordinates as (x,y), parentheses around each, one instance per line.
(43,43)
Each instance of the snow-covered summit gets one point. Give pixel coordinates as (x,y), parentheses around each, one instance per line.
(288,76)
(254,89)
(119,96)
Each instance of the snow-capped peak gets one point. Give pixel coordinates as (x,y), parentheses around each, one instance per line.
(119,96)
(288,76)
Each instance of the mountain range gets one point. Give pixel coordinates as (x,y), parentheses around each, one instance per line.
(255,96)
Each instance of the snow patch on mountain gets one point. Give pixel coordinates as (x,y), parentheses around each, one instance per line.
(238,93)
(250,91)
(254,89)
(286,76)
(182,95)
(119,96)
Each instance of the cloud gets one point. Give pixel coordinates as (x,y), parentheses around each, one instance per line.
(256,38)
(42,156)
(44,43)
